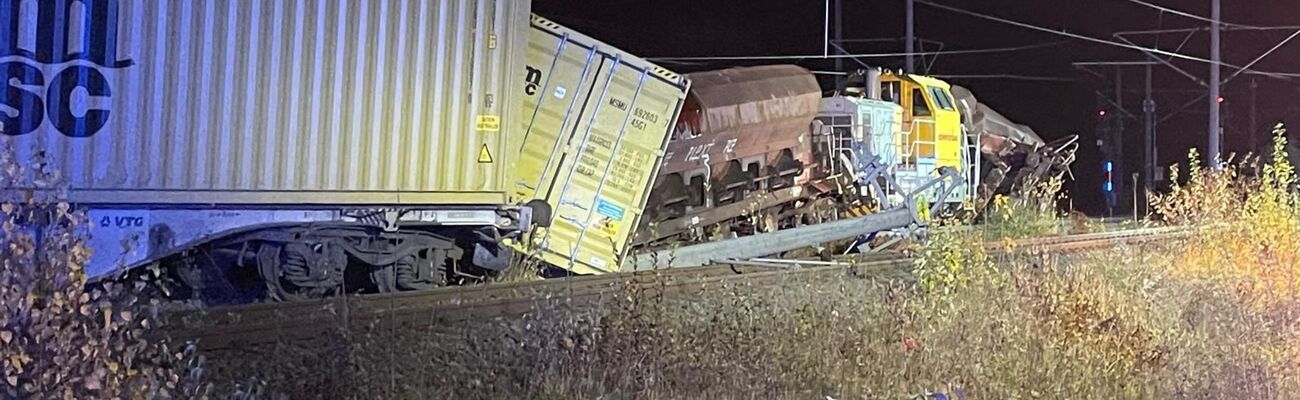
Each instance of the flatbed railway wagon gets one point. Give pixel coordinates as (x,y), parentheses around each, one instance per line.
(293,149)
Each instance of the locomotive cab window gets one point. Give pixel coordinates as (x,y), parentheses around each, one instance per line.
(941,98)
(919,106)
(889,92)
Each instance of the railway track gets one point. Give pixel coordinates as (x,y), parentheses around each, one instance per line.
(226,328)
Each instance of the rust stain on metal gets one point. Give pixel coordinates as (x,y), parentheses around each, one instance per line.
(741,112)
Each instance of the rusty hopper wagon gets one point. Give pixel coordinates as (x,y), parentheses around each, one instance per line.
(740,148)
(1016,157)
(293,149)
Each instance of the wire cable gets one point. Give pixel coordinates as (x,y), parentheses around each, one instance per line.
(1093,39)
(1190,15)
(1206,28)
(864,55)
(1261,56)
(1061,33)
(1007,76)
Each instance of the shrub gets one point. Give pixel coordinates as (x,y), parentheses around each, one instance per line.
(1205,317)
(1112,324)
(949,262)
(1030,213)
(1248,225)
(58,340)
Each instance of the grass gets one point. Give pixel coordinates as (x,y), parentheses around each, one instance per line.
(1030,213)
(1248,216)
(1102,325)
(1209,317)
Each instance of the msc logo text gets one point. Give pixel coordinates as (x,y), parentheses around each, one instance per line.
(52,48)
(532,79)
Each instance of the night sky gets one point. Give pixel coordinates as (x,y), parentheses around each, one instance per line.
(677,28)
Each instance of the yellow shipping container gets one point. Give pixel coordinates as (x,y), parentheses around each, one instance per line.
(596,121)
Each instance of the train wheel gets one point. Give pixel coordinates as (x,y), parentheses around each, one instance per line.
(426,270)
(299,271)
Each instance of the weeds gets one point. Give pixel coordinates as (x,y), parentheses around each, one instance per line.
(1214,316)
(1032,213)
(949,262)
(58,340)
(1104,325)
(522,268)
(1248,221)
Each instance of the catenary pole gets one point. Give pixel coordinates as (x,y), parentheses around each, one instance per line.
(1215,130)
(908,46)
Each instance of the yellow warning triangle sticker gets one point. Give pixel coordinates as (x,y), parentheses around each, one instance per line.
(484,156)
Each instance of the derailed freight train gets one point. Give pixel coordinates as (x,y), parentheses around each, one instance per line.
(289,150)
(285,150)
(758,149)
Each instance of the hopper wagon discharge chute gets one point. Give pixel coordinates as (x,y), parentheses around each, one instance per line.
(243,167)
(759,163)
(897,145)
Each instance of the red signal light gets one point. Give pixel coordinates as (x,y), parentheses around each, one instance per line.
(1219,100)
(1101,113)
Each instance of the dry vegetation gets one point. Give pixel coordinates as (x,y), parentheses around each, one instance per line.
(1213,317)
(1105,325)
(1249,221)
(1033,213)
(58,340)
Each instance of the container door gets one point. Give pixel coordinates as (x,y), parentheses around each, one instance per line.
(593,145)
(558,79)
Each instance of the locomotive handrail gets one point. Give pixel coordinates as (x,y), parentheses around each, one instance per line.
(910,148)
(949,180)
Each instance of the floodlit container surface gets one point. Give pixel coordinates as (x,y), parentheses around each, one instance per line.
(596,126)
(269,102)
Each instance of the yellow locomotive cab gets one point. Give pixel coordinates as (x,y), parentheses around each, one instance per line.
(931,135)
